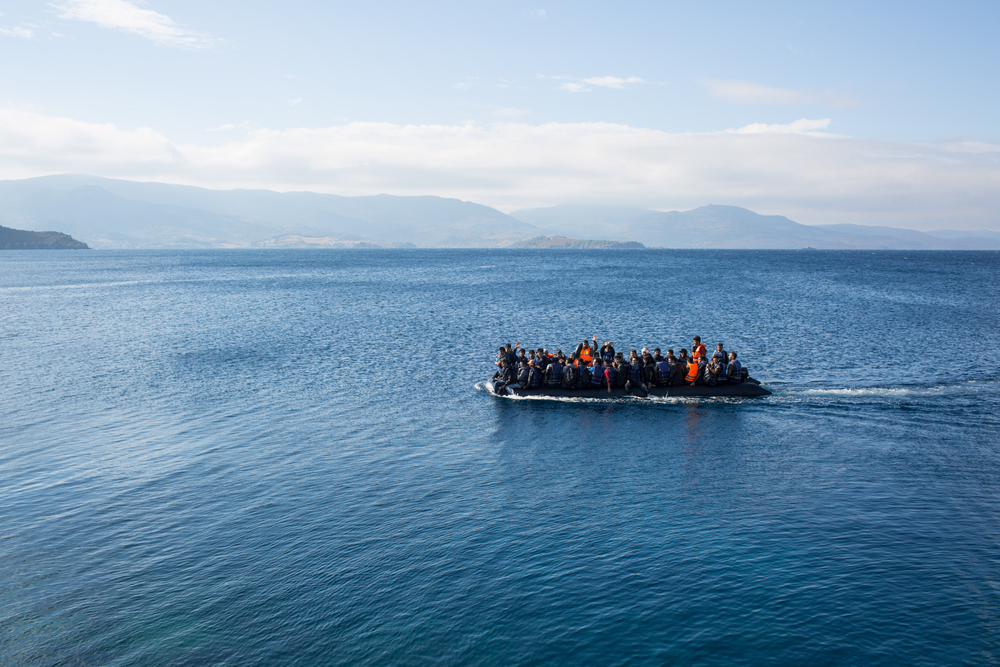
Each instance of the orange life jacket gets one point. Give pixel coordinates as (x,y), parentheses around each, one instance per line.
(698,351)
(586,357)
(692,372)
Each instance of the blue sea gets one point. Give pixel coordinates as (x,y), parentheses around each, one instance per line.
(287,458)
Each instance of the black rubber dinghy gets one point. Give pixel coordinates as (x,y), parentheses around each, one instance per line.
(750,388)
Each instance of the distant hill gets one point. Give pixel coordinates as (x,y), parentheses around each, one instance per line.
(112,213)
(734,227)
(17,239)
(563,242)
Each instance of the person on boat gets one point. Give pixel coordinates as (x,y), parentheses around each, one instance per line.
(692,371)
(541,359)
(663,369)
(678,367)
(502,354)
(586,352)
(622,370)
(648,369)
(524,373)
(553,373)
(536,376)
(506,376)
(698,349)
(720,354)
(597,374)
(735,369)
(521,356)
(571,375)
(633,380)
(610,376)
(584,381)
(608,352)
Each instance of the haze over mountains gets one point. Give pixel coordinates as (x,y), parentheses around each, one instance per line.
(110,213)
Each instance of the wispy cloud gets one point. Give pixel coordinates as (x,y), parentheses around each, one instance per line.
(466,83)
(747,92)
(126,16)
(810,178)
(612,81)
(580,85)
(295,101)
(801,126)
(535,13)
(18,31)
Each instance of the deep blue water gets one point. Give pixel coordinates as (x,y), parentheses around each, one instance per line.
(286,458)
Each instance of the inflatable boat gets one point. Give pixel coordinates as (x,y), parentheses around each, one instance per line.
(750,388)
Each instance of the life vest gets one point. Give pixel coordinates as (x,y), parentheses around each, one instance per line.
(735,371)
(721,377)
(608,355)
(699,350)
(524,376)
(692,373)
(622,373)
(585,356)
(571,374)
(636,371)
(664,370)
(610,375)
(553,374)
(597,376)
(584,376)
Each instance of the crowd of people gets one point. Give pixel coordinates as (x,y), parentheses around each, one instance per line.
(595,367)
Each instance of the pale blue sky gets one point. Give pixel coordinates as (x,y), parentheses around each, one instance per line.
(897,77)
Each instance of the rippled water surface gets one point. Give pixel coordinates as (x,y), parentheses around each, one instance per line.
(286,458)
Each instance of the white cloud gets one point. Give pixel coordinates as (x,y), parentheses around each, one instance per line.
(19,31)
(124,15)
(574,87)
(747,92)
(801,126)
(612,81)
(466,83)
(535,13)
(810,178)
(295,101)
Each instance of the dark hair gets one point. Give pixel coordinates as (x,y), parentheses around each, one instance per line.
(697,338)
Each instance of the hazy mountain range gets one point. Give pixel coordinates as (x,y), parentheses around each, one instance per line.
(109,213)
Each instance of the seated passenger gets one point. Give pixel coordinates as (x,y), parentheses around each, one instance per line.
(553,373)
(608,352)
(621,370)
(648,370)
(597,374)
(663,369)
(524,374)
(720,354)
(507,376)
(610,376)
(584,381)
(692,371)
(735,369)
(537,376)
(570,375)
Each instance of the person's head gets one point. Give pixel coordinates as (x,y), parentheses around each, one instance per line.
(719,346)
(633,353)
(656,350)
(684,352)
(618,356)
(732,356)
(598,362)
(508,346)
(521,352)
(503,361)
(697,339)
(502,348)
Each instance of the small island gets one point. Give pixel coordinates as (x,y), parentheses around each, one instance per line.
(565,242)
(18,239)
